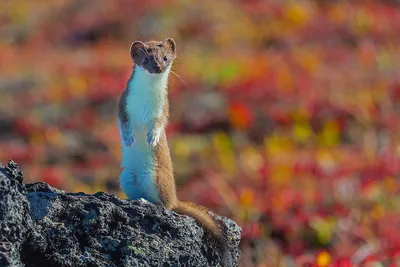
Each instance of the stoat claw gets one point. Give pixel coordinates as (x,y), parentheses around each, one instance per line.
(128,135)
(129,140)
(153,137)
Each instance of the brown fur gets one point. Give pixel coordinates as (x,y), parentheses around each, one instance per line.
(166,183)
(164,174)
(122,113)
(161,122)
(200,214)
(154,52)
(167,191)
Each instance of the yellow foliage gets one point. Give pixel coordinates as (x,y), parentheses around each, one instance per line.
(323,259)
(302,132)
(297,13)
(225,153)
(330,134)
(247,197)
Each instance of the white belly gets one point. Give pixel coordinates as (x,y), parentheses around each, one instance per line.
(137,179)
(145,101)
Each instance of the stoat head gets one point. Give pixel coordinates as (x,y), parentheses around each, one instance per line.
(154,56)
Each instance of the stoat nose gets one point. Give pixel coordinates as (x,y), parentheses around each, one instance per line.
(157,69)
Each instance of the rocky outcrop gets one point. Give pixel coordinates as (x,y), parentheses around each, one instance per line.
(43,226)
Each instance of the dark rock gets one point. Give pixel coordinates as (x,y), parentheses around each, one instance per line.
(43,226)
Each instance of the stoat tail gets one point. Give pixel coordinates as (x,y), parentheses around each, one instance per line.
(201,215)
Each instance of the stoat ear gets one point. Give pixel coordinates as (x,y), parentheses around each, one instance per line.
(170,43)
(136,49)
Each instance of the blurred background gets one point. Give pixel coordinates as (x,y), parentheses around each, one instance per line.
(286,115)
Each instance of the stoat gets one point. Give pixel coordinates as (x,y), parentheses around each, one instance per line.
(143,112)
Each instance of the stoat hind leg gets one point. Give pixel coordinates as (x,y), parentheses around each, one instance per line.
(164,174)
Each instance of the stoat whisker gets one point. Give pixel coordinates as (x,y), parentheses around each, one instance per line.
(173,72)
(172,77)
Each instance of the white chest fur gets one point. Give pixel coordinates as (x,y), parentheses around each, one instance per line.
(147,93)
(145,101)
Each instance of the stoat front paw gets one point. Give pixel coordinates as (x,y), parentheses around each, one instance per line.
(129,140)
(153,137)
(128,136)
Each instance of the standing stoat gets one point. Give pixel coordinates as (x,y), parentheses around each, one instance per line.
(143,113)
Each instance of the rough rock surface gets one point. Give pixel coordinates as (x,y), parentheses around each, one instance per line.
(43,226)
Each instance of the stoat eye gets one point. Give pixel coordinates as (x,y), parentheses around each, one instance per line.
(165,58)
(145,60)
